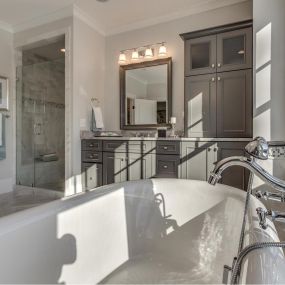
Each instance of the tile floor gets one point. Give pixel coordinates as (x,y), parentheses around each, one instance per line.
(25,198)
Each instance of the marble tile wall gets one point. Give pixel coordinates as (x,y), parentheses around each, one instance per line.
(42,124)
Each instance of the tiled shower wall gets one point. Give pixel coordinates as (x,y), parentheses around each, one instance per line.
(41,107)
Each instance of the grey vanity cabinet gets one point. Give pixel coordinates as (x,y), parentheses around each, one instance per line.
(200,106)
(234,176)
(219,105)
(234,104)
(91,166)
(167,159)
(234,50)
(200,55)
(127,160)
(198,159)
(231,50)
(218,82)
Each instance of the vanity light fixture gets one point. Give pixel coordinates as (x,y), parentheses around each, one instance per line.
(122,58)
(143,53)
(135,55)
(162,50)
(148,53)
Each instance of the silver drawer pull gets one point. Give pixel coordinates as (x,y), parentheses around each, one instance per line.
(165,166)
(165,148)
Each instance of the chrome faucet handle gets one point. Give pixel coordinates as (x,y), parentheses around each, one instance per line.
(262,214)
(273,215)
(266,195)
(258,148)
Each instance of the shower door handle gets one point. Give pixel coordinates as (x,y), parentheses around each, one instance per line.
(37,129)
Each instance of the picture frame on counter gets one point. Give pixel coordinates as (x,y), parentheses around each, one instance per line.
(4,93)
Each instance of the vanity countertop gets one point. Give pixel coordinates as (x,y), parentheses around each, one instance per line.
(90,135)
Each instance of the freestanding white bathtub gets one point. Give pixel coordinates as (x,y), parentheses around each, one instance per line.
(149,231)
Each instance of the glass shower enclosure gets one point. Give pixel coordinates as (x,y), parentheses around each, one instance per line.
(40,131)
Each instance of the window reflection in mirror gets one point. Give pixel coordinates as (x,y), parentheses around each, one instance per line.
(146,95)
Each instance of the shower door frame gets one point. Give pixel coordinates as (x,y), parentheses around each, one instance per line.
(67,33)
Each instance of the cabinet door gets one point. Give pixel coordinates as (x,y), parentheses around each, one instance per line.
(114,167)
(198,160)
(91,175)
(234,50)
(234,104)
(234,176)
(200,55)
(200,106)
(140,166)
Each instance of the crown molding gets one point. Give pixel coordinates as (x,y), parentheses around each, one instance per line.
(75,11)
(87,19)
(6,27)
(45,19)
(200,8)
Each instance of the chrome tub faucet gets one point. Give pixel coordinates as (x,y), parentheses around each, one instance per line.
(258,148)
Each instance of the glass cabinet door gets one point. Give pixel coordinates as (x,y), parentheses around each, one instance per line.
(200,55)
(234,50)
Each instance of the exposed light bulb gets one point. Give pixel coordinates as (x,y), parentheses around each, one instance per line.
(148,53)
(135,55)
(122,58)
(162,50)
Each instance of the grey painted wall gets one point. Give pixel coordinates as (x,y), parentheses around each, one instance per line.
(7,166)
(88,83)
(269,75)
(168,32)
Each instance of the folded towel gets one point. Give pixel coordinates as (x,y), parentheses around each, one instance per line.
(98,117)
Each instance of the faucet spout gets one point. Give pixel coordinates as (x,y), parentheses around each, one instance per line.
(251,165)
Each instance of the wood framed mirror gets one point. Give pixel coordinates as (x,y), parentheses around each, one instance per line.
(146,94)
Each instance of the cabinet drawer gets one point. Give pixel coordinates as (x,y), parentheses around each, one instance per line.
(91,156)
(167,166)
(115,146)
(91,145)
(128,146)
(167,147)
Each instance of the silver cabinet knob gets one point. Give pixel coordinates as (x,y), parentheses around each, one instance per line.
(219,78)
(165,148)
(209,149)
(213,65)
(219,65)
(165,166)
(213,79)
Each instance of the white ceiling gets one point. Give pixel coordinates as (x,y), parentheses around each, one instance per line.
(111,17)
